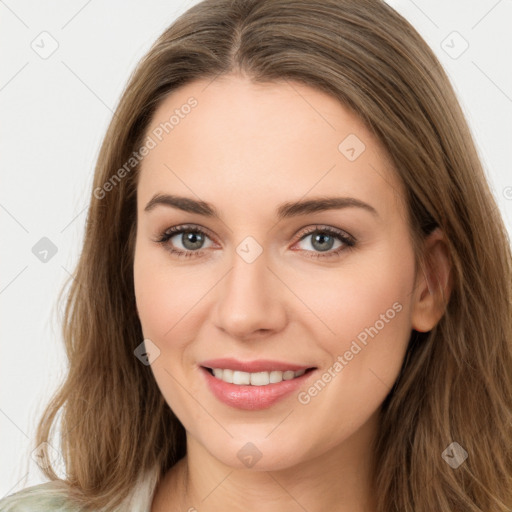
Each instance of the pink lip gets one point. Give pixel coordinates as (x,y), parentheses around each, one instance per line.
(252,398)
(260,365)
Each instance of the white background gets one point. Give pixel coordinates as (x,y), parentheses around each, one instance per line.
(54,114)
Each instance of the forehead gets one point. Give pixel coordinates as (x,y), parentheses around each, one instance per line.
(248,142)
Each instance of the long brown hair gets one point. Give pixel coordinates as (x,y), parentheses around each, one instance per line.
(456,381)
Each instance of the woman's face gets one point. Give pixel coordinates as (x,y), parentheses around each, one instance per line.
(327,283)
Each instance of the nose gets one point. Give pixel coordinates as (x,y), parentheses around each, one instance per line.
(251,300)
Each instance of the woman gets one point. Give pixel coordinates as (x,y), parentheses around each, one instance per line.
(220,354)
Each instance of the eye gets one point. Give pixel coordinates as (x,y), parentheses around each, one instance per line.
(191,239)
(323,238)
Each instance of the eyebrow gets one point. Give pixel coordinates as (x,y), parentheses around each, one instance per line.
(284,210)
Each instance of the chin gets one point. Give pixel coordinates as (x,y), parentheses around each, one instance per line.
(258,454)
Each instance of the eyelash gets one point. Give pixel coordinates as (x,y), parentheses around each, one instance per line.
(348,241)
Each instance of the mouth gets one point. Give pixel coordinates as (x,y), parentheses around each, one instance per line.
(253,385)
(264,378)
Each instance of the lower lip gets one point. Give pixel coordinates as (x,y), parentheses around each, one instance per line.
(252,398)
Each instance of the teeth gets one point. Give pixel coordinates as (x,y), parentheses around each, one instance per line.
(227,375)
(241,377)
(255,379)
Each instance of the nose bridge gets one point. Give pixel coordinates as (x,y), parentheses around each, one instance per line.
(249,267)
(250,299)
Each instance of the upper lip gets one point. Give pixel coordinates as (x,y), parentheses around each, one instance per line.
(259,365)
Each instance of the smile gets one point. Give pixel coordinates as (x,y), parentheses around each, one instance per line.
(253,385)
(254,379)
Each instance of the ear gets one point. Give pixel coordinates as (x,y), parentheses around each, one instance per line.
(433,283)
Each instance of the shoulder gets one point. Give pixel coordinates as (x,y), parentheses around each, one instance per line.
(53,496)
(38,498)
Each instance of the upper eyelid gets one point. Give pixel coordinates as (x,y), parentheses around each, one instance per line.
(329,229)
(176,230)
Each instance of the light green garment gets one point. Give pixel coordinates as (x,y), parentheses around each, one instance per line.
(51,497)
(39,498)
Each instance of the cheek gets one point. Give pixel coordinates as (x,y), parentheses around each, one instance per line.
(164,295)
(155,295)
(367,308)
(154,300)
(366,304)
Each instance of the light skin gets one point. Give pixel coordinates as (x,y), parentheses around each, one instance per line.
(246,149)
